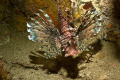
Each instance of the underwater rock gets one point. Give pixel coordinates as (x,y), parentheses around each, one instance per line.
(4,34)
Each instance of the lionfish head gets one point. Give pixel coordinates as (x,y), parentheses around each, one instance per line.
(70,51)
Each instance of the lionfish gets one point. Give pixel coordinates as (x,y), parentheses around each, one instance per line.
(67,39)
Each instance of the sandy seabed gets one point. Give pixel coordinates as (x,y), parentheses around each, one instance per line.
(22,60)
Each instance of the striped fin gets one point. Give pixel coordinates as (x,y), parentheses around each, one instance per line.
(41,19)
(40,31)
(47,17)
(37,22)
(90,26)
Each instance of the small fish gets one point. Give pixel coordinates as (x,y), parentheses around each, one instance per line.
(88,5)
(109,26)
(6,32)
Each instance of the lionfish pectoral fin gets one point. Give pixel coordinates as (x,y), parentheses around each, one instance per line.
(48,18)
(58,43)
(90,26)
(41,31)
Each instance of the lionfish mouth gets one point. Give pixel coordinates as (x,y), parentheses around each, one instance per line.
(71,52)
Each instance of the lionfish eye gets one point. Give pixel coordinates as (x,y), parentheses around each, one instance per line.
(69,43)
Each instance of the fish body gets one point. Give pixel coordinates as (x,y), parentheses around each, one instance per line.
(68,39)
